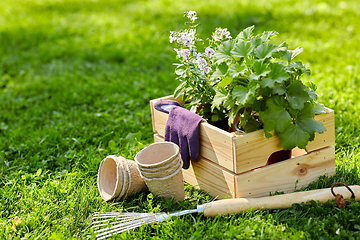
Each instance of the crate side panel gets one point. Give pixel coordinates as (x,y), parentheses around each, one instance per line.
(216,145)
(160,119)
(287,175)
(208,177)
(252,150)
(328,137)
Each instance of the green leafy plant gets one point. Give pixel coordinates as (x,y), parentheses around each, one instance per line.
(258,82)
(249,80)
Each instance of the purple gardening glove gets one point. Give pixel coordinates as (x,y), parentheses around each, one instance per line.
(182,128)
(165,105)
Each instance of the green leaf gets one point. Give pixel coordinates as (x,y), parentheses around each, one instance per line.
(268,125)
(243,117)
(226,81)
(312,94)
(299,68)
(267,82)
(215,118)
(306,121)
(224,51)
(291,54)
(219,97)
(277,113)
(265,50)
(229,102)
(220,71)
(279,89)
(179,90)
(297,95)
(255,42)
(232,114)
(236,69)
(246,34)
(267,35)
(259,105)
(242,49)
(311,85)
(244,95)
(251,125)
(319,108)
(281,50)
(310,125)
(260,70)
(294,136)
(278,73)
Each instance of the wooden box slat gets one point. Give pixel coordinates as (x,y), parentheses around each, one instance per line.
(288,175)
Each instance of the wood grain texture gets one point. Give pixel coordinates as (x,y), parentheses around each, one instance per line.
(286,175)
(253,150)
(233,206)
(328,137)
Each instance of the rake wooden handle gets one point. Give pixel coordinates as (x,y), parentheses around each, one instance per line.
(238,205)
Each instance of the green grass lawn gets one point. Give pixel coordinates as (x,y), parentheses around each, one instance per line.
(76,77)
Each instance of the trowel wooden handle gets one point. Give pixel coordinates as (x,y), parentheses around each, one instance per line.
(238,205)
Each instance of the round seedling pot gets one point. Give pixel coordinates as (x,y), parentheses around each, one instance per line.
(110,182)
(169,186)
(163,172)
(123,172)
(156,168)
(136,183)
(119,178)
(157,155)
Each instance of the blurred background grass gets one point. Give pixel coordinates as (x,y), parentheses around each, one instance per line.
(76,77)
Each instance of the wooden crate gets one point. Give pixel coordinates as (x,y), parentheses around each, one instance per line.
(233,164)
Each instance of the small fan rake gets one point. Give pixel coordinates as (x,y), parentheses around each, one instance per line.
(108,224)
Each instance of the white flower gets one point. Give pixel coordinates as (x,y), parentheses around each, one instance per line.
(209,51)
(186,38)
(206,69)
(194,53)
(221,34)
(185,53)
(201,61)
(173,36)
(182,53)
(191,15)
(202,64)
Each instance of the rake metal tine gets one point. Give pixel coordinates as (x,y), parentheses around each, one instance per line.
(118,229)
(108,234)
(111,215)
(119,220)
(125,224)
(122,229)
(106,223)
(109,219)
